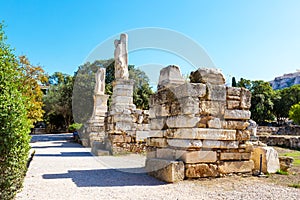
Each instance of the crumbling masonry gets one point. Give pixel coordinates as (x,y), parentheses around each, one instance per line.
(193,129)
(198,128)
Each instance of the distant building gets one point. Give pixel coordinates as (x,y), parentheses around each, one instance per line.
(287,80)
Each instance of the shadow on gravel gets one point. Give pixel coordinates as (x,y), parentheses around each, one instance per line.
(107,178)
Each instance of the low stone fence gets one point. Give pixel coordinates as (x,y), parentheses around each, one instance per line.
(284,130)
(286,141)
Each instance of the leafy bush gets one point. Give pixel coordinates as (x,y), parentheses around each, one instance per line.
(74,127)
(295,185)
(14,124)
(294,113)
(281,172)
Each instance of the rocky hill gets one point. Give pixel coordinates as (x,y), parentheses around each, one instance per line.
(287,80)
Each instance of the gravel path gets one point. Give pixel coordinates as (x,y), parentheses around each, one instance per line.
(61,169)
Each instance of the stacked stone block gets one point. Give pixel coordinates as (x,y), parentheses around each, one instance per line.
(126,126)
(201,123)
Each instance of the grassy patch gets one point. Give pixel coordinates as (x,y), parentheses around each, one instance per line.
(281,172)
(295,155)
(295,185)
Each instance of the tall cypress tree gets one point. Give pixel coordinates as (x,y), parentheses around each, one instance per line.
(233,82)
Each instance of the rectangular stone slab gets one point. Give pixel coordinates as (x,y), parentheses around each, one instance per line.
(197,156)
(182,121)
(201,133)
(236,167)
(201,170)
(233,91)
(143,135)
(235,156)
(165,153)
(184,143)
(165,170)
(220,144)
(190,90)
(157,142)
(216,92)
(157,123)
(237,114)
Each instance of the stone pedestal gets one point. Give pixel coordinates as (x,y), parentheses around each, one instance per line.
(122,98)
(95,126)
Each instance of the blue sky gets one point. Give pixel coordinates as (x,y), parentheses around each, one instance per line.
(250,39)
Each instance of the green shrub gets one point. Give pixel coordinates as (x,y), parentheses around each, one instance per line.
(294,113)
(281,172)
(14,124)
(74,127)
(295,185)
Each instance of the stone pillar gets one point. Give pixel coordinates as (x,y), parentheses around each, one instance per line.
(95,126)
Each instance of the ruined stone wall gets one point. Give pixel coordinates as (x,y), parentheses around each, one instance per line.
(202,124)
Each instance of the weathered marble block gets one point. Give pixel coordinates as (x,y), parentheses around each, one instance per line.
(201,170)
(242,135)
(197,156)
(235,156)
(184,143)
(220,144)
(170,77)
(213,108)
(245,98)
(216,92)
(190,90)
(157,142)
(201,133)
(143,135)
(234,91)
(207,75)
(237,114)
(233,104)
(236,167)
(165,170)
(270,159)
(182,121)
(158,123)
(239,125)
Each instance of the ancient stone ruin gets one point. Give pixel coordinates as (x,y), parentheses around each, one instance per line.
(194,129)
(200,127)
(125,128)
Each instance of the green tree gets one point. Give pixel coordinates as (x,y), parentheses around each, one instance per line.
(58,101)
(85,83)
(15,126)
(262,101)
(294,113)
(244,83)
(32,78)
(286,98)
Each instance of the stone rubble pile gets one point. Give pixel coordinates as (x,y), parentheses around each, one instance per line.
(198,128)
